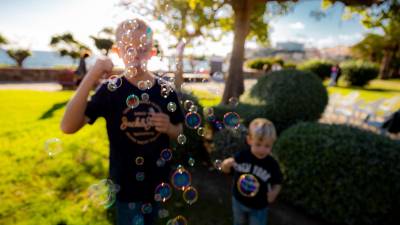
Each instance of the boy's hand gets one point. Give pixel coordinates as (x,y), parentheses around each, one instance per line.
(227,165)
(161,122)
(273,193)
(102,68)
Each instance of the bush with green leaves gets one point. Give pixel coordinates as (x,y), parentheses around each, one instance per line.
(341,174)
(321,68)
(285,97)
(260,63)
(227,142)
(290,96)
(359,73)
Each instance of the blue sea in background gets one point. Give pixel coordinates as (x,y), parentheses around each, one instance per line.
(39,59)
(48,59)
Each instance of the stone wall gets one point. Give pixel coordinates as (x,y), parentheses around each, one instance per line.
(32,75)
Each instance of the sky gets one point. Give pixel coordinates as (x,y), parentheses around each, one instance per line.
(29,23)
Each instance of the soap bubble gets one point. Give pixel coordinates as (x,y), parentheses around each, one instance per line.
(146,208)
(233,101)
(181,178)
(218,77)
(140,176)
(53,146)
(139,161)
(171,106)
(179,220)
(142,85)
(163,192)
(163,213)
(200,131)
(181,139)
(166,154)
(187,104)
(193,120)
(248,185)
(190,195)
(103,193)
(231,119)
(193,108)
(191,161)
(114,82)
(138,220)
(218,164)
(145,97)
(132,101)
(160,162)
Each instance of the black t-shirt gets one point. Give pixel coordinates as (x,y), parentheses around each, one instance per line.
(131,135)
(252,177)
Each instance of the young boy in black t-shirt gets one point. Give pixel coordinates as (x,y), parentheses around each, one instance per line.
(140,122)
(256,175)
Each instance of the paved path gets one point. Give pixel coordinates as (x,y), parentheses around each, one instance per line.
(37,86)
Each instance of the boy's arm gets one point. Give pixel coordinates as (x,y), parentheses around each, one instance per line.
(74,117)
(274,192)
(227,165)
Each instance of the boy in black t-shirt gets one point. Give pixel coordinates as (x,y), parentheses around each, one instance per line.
(140,121)
(256,176)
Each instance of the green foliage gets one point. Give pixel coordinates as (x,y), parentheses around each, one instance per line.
(322,68)
(66,45)
(341,174)
(228,142)
(359,73)
(263,63)
(370,48)
(19,55)
(290,96)
(3,40)
(104,40)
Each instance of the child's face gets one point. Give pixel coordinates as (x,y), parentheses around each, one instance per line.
(134,42)
(260,147)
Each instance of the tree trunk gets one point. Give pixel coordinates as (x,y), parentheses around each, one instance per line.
(386,64)
(179,68)
(234,85)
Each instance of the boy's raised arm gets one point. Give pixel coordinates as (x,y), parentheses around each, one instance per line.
(227,165)
(74,116)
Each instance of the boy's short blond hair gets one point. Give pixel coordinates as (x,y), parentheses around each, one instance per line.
(261,128)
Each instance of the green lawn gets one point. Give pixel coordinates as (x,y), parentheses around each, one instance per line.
(38,189)
(375,90)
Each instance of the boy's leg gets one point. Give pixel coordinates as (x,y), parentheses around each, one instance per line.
(240,213)
(258,217)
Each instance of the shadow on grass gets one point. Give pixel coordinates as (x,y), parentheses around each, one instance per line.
(367,89)
(49,113)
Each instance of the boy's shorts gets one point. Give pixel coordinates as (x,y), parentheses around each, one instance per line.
(243,215)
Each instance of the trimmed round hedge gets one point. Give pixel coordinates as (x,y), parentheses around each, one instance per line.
(341,174)
(321,68)
(359,73)
(290,96)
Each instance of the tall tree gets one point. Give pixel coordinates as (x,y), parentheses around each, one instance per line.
(3,40)
(19,55)
(104,40)
(66,45)
(370,48)
(384,14)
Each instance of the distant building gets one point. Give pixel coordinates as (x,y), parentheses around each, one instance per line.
(290,46)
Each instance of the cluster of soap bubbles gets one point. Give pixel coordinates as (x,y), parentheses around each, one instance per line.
(103,193)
